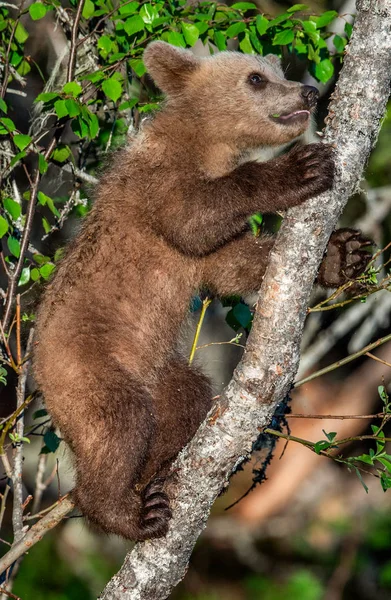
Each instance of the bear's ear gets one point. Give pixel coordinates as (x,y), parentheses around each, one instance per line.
(169,66)
(274,60)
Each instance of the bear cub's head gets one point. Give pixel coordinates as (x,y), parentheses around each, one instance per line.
(239,99)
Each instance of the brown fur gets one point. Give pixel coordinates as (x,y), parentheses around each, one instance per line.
(169,218)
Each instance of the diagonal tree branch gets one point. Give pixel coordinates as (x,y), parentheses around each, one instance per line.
(271,359)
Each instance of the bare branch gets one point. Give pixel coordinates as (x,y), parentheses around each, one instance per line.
(34,535)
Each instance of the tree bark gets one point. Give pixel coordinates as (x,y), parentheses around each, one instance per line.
(269,365)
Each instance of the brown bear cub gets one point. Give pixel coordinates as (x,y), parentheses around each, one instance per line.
(170,218)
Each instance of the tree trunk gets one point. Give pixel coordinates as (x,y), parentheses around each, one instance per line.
(269,365)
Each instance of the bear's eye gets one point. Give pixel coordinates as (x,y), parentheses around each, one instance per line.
(256,79)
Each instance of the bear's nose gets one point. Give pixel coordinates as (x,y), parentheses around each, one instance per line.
(310,95)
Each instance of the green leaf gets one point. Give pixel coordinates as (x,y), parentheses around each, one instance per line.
(46,97)
(21,140)
(51,440)
(149,13)
(324,70)
(17,158)
(21,34)
(13,208)
(46,270)
(3,376)
(365,458)
(133,25)
(320,446)
(34,274)
(72,107)
(234,29)
(24,68)
(309,26)
(348,29)
(128,9)
(313,54)
(6,126)
(112,88)
(3,226)
(255,221)
(72,88)
(325,19)
(219,40)
(202,27)
(61,109)
(38,414)
(40,259)
(297,7)
(330,436)
(80,127)
(383,394)
(190,33)
(261,24)
(283,37)
(3,106)
(279,19)
(45,200)
(88,9)
(24,276)
(42,164)
(386,463)
(339,43)
(138,66)
(13,246)
(245,44)
(61,154)
(176,39)
(37,10)
(242,314)
(128,104)
(244,6)
(385,482)
(94,125)
(105,43)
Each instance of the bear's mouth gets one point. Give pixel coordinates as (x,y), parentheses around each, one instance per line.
(296,116)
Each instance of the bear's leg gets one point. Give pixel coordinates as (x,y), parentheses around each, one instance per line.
(118,436)
(345,258)
(237,267)
(182,398)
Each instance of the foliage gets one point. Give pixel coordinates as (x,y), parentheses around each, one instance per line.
(376,462)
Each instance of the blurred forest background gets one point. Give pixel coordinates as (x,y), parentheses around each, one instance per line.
(317,528)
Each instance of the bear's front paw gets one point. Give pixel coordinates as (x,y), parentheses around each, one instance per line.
(345,258)
(311,168)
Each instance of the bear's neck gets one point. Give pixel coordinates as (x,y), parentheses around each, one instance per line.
(185,138)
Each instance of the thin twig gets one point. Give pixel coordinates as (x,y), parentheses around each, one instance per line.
(73,49)
(4,502)
(344,361)
(205,304)
(339,417)
(17,507)
(378,359)
(18,342)
(36,532)
(9,594)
